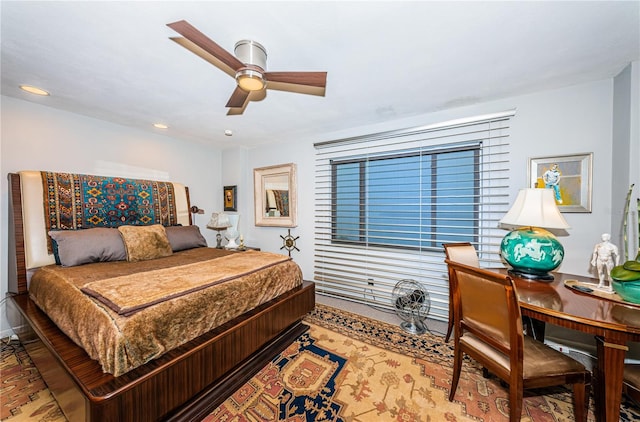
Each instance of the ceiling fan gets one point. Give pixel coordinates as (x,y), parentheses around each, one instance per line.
(248,67)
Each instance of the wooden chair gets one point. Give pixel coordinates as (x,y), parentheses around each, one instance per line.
(488,328)
(464,253)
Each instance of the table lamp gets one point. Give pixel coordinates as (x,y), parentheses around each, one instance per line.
(530,249)
(219,221)
(232,231)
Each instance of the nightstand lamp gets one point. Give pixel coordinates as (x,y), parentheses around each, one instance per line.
(530,249)
(219,221)
(232,231)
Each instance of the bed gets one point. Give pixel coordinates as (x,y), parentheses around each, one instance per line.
(203,321)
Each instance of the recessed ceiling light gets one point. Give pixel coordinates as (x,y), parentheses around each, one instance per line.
(160,126)
(34,90)
(228,132)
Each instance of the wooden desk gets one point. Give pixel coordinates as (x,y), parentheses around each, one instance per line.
(613,325)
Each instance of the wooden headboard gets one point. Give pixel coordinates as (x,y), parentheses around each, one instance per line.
(28,238)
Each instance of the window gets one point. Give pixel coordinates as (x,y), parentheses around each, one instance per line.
(417,199)
(386,202)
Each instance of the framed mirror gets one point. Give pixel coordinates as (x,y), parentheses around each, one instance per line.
(275,195)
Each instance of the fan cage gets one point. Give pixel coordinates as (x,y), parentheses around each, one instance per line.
(412,303)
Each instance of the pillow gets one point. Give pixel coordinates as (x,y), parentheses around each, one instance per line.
(145,242)
(77,247)
(185,237)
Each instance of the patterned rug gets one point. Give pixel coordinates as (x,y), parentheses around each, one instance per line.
(25,396)
(346,368)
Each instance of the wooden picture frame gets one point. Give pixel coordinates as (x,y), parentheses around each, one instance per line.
(275,195)
(570,176)
(230,198)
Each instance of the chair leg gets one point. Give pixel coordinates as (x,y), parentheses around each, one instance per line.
(449,329)
(451,317)
(515,402)
(580,401)
(457,366)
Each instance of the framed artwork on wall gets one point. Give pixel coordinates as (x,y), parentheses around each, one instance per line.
(569,176)
(275,193)
(230,200)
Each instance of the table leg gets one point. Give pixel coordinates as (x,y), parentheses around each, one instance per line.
(609,375)
(534,328)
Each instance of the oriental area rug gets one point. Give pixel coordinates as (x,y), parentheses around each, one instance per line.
(345,368)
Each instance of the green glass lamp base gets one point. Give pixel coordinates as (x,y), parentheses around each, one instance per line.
(532,253)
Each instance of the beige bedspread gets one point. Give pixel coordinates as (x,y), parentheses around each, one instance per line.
(120,342)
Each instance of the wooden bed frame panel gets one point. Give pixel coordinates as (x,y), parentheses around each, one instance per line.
(184,384)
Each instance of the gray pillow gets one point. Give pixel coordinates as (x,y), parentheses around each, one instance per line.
(185,237)
(77,247)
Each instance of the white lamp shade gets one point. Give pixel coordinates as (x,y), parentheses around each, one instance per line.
(535,208)
(219,220)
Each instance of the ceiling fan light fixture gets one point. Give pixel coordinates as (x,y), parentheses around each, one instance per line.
(250,80)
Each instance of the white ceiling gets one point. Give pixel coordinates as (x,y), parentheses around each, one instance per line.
(385,60)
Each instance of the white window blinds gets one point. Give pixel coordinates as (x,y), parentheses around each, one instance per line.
(385,204)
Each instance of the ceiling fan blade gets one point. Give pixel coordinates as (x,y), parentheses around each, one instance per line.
(297,89)
(185,29)
(204,55)
(235,111)
(318,79)
(238,98)
(253,96)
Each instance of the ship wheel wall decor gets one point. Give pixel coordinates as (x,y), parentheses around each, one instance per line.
(289,242)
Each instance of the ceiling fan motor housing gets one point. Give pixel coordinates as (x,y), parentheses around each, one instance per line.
(254,56)
(251,53)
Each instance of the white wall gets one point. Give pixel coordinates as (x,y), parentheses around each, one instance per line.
(234,174)
(35,137)
(270,238)
(623,160)
(634,150)
(576,119)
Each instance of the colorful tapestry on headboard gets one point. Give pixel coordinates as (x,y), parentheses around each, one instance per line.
(80,201)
